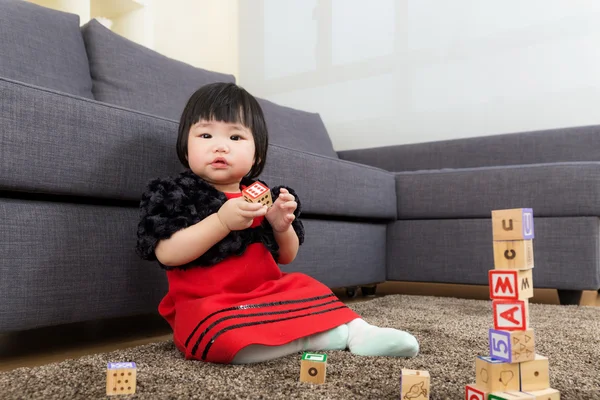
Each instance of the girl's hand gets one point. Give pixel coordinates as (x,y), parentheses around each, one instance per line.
(237,214)
(281,214)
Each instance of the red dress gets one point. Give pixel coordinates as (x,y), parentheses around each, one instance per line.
(218,310)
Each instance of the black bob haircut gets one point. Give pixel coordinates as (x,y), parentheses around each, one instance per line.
(230,103)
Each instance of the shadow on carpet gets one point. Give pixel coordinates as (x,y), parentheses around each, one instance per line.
(451,332)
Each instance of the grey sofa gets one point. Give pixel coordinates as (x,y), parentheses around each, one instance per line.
(87,118)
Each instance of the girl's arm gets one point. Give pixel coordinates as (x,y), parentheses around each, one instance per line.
(188,244)
(288,245)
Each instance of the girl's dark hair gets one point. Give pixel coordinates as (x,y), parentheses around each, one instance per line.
(225,102)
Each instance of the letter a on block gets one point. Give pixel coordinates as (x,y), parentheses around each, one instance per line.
(510,315)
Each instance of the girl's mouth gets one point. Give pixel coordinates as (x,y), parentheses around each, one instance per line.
(219,163)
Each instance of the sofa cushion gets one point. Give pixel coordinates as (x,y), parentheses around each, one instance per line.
(460,251)
(43,47)
(297,129)
(133,76)
(331,187)
(64,145)
(552,190)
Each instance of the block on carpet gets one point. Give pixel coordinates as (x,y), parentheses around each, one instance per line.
(472,392)
(496,376)
(513,395)
(120,378)
(414,384)
(546,394)
(535,374)
(313,368)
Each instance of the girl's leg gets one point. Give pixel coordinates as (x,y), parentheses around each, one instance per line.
(258,353)
(369,340)
(333,339)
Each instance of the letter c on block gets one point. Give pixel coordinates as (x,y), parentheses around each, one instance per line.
(510,254)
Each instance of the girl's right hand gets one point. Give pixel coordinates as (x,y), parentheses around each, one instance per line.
(237,214)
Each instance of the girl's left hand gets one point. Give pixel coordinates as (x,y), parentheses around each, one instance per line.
(281,214)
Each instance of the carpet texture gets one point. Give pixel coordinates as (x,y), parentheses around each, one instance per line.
(451,332)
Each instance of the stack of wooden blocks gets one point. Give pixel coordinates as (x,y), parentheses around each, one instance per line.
(512,370)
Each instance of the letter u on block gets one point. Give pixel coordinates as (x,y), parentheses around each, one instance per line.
(512,224)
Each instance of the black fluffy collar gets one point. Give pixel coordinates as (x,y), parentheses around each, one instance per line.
(171,204)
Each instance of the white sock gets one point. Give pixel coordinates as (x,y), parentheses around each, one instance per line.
(333,339)
(256,353)
(369,340)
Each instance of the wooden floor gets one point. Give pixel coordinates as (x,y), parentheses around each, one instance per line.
(47,345)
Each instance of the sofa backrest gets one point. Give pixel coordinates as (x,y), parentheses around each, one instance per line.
(297,129)
(43,47)
(133,76)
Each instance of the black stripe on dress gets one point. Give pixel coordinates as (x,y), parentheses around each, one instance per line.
(270,321)
(250,306)
(262,314)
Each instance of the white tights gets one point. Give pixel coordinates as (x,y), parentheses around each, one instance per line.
(358,336)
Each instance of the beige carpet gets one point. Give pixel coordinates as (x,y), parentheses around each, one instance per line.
(451,333)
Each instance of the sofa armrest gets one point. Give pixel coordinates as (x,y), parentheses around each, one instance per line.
(56,143)
(536,147)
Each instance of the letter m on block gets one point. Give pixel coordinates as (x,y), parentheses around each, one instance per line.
(503,284)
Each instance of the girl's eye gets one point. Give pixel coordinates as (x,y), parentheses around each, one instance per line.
(205,136)
(235,137)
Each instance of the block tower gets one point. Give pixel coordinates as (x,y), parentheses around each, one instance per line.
(512,370)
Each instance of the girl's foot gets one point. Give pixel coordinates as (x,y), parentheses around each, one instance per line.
(369,340)
(333,339)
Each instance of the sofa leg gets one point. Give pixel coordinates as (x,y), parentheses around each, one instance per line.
(569,297)
(368,291)
(352,291)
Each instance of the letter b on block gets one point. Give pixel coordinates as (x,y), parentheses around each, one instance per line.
(512,224)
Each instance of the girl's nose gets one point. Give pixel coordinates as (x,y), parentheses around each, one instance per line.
(222,148)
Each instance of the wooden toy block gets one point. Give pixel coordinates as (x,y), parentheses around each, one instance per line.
(258,193)
(513,254)
(514,284)
(472,392)
(546,394)
(120,378)
(535,374)
(313,367)
(414,384)
(512,346)
(510,396)
(511,315)
(496,376)
(512,224)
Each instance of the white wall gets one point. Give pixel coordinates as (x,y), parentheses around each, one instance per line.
(390,72)
(203,33)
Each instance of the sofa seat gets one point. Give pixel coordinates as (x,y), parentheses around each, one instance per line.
(562,189)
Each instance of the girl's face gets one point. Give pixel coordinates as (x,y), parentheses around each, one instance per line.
(221,153)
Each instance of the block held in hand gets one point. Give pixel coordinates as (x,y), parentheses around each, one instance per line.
(258,193)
